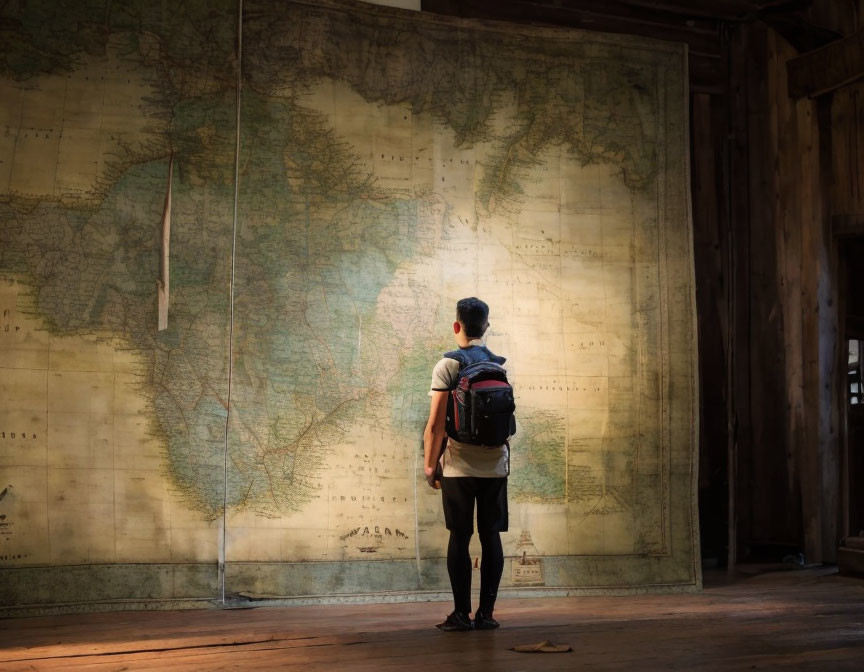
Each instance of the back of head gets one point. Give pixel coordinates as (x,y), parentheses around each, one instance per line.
(474,316)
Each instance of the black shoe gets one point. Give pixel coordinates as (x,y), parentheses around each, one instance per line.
(456,622)
(483,621)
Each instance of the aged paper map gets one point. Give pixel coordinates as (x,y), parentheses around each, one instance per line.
(386,164)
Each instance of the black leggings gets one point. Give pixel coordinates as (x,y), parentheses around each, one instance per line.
(459,568)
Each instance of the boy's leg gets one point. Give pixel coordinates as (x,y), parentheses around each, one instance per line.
(492,519)
(459,569)
(491,569)
(458,500)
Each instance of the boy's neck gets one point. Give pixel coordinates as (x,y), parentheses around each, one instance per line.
(464,341)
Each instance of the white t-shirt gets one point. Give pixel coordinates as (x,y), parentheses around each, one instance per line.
(466,459)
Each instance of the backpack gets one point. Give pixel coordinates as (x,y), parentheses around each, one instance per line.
(480,406)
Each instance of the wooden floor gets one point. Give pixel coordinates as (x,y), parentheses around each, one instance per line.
(808,620)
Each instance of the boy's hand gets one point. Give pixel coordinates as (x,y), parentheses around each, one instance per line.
(430,478)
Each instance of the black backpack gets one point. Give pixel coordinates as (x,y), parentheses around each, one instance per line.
(480,406)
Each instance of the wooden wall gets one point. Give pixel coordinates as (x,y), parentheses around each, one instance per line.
(790,170)
(784,491)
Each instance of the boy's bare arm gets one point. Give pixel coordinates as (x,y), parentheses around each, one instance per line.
(434,435)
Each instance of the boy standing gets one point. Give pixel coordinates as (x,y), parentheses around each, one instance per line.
(468,473)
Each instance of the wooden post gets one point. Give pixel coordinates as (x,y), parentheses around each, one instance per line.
(826,69)
(738,348)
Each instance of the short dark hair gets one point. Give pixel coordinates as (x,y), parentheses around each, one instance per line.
(474,316)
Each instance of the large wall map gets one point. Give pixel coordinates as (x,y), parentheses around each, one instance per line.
(386,163)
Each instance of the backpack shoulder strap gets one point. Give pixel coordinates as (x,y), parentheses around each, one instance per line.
(492,357)
(466,356)
(460,356)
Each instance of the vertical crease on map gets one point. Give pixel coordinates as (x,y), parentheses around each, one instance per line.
(162,282)
(224,522)
(416,521)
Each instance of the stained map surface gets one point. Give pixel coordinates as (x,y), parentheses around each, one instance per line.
(389,164)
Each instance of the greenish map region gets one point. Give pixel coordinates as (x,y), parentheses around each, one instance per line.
(538,457)
(316,245)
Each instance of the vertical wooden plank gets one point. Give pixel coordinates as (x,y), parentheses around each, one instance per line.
(840,110)
(773,519)
(819,461)
(808,454)
(738,347)
(841,382)
(856,143)
(788,203)
(831,366)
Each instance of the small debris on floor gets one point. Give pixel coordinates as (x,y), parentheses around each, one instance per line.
(543,647)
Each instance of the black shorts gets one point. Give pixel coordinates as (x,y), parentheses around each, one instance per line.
(458,495)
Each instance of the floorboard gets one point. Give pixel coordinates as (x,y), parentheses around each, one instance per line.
(794,620)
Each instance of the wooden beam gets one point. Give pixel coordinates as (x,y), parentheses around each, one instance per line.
(734,10)
(802,35)
(826,69)
(844,226)
(627,10)
(701,37)
(707,62)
